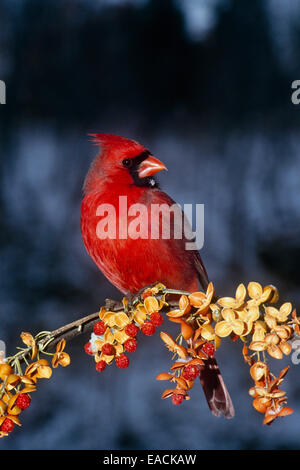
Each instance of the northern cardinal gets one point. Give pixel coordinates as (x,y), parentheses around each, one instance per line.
(126,168)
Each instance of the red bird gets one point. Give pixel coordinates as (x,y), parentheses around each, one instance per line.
(126,168)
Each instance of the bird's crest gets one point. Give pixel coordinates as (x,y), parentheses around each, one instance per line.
(106,140)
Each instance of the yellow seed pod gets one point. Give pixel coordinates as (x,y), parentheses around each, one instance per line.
(151,304)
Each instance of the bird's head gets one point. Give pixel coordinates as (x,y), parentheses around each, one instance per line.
(123,161)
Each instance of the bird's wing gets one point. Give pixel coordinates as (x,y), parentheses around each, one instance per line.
(159,197)
(202,274)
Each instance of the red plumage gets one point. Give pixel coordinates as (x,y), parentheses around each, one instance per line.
(125,168)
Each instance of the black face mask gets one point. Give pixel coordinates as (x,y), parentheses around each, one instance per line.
(132,164)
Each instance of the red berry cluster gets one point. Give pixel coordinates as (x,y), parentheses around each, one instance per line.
(7,426)
(148,328)
(177,398)
(130,344)
(156,318)
(209,349)
(190,372)
(23,401)
(108,349)
(88,349)
(122,361)
(131,330)
(100,366)
(99,328)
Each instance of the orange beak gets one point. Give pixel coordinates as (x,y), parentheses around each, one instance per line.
(150,166)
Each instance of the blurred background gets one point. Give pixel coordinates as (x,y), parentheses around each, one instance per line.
(206,85)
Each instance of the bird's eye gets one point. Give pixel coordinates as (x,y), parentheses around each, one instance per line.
(127,162)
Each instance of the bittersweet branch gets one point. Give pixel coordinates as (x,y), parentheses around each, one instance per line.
(46,341)
(204,320)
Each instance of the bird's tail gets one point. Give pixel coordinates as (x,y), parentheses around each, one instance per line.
(215,390)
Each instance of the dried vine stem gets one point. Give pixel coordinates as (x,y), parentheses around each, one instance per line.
(47,340)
